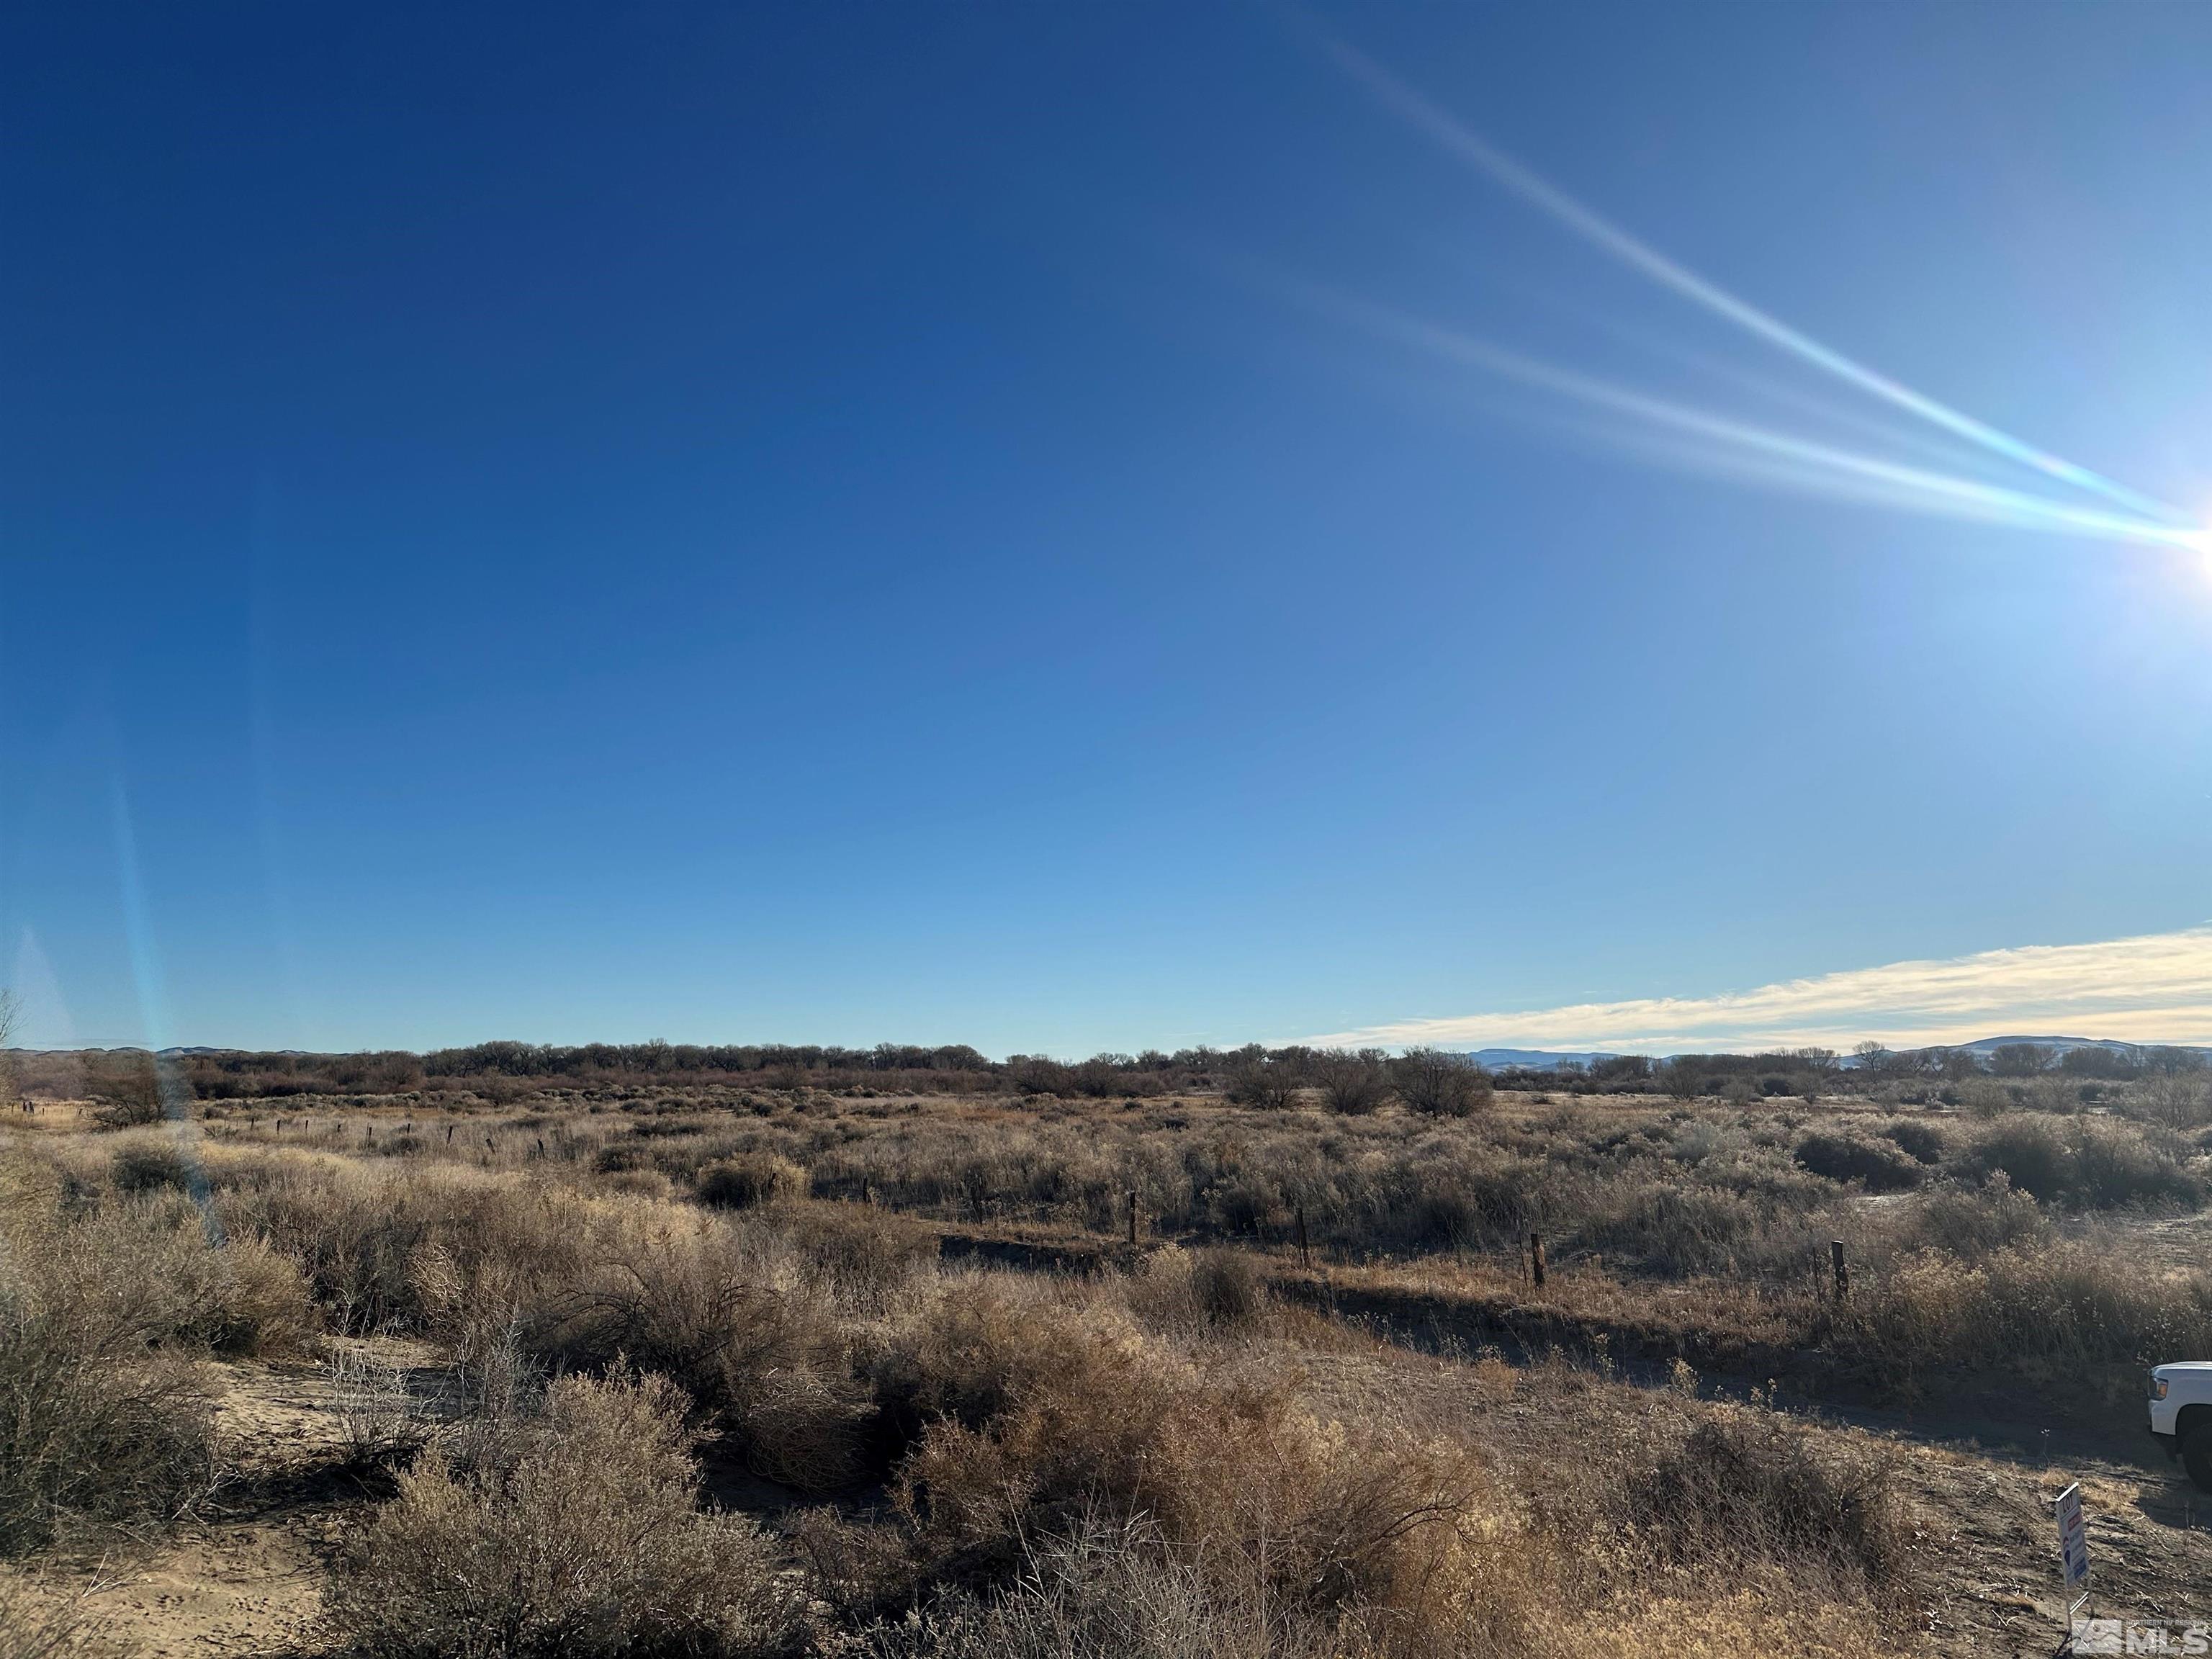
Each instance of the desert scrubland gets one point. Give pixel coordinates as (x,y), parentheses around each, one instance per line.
(838,1359)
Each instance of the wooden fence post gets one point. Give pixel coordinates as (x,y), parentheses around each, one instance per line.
(1132,1215)
(1304,1259)
(1536,1259)
(1843,1273)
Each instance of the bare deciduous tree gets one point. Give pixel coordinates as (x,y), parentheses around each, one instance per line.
(11,1018)
(1351,1082)
(1440,1082)
(1259,1078)
(2018,1060)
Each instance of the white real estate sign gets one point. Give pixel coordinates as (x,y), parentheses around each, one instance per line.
(2073,1541)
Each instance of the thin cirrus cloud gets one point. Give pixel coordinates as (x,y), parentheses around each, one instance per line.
(2155,987)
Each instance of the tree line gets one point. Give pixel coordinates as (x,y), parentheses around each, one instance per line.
(1347,1080)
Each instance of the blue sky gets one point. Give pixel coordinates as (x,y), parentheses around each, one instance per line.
(1007,525)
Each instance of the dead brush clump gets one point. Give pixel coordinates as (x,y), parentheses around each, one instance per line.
(397,1246)
(1879,1166)
(1217,1289)
(1375,1536)
(753,1342)
(867,1260)
(574,1534)
(381,1424)
(1965,1223)
(748,1179)
(2087,1164)
(145,1162)
(2067,1312)
(1739,1491)
(965,1354)
(104,1313)
(745,1317)
(1111,1588)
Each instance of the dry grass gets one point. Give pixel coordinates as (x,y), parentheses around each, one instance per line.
(740,1183)
(1133,1461)
(107,1303)
(572,1534)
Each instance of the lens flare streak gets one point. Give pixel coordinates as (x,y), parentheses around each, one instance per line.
(2153,521)
(1812,461)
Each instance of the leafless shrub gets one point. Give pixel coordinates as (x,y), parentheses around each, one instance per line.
(2060,1310)
(740,1183)
(2181,1101)
(1736,1490)
(1221,1288)
(864,1256)
(1109,1589)
(1881,1166)
(146,1166)
(2087,1164)
(126,1084)
(1243,1477)
(1439,1082)
(582,1538)
(1984,1099)
(765,1360)
(381,1424)
(103,1417)
(1264,1081)
(1353,1082)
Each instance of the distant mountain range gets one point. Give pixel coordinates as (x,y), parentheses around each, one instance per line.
(2062,1045)
(1534,1059)
(1546,1060)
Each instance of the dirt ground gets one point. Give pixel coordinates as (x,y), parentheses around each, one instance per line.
(241,1575)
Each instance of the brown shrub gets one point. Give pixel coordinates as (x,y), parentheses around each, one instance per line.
(1881,1166)
(1439,1082)
(2060,1315)
(1220,1288)
(1331,1523)
(103,1418)
(749,1179)
(864,1257)
(1737,1490)
(579,1536)
(1353,1083)
(125,1083)
(149,1166)
(1111,1589)
(766,1359)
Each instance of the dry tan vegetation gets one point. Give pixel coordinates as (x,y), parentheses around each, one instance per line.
(728,1374)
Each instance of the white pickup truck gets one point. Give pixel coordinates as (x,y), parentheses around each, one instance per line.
(2181,1415)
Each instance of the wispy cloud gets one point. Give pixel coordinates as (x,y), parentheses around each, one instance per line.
(2155,988)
